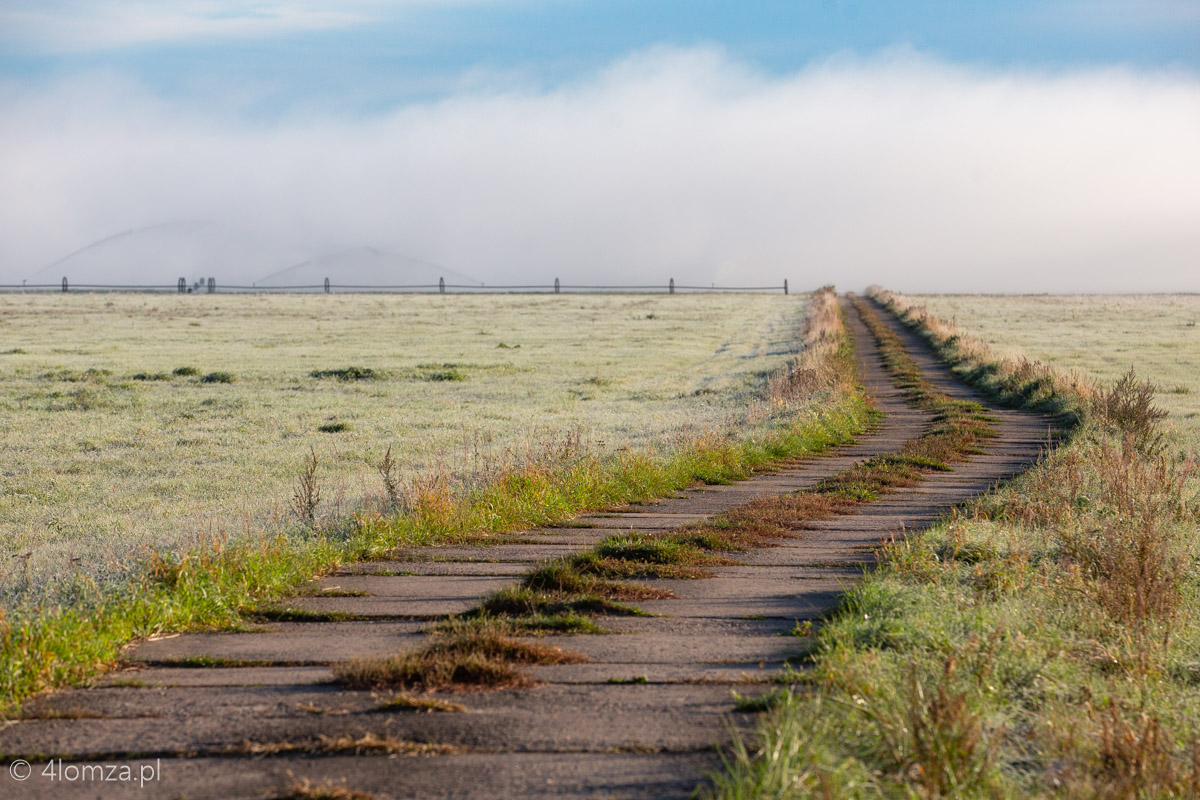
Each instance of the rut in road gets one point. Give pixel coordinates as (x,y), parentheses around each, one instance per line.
(643,719)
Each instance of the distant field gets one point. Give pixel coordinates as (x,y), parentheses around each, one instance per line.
(1099,335)
(108,451)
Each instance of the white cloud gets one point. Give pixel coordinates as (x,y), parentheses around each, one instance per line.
(901,170)
(81,25)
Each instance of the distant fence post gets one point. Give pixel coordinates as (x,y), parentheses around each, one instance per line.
(671,287)
(64,283)
(441,285)
(556,285)
(327,286)
(212,285)
(181,285)
(785,285)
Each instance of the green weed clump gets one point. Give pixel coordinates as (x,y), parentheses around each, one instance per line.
(420,705)
(441,375)
(349,374)
(469,657)
(218,377)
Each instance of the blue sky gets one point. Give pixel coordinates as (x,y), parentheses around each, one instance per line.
(369,56)
(955,145)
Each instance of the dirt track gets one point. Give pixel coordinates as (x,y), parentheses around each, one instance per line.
(578,734)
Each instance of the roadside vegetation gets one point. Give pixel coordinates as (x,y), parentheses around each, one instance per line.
(1098,336)
(572,595)
(804,406)
(1042,642)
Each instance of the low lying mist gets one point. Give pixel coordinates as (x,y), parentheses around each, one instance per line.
(899,169)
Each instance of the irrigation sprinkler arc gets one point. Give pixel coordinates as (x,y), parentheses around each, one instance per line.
(112,238)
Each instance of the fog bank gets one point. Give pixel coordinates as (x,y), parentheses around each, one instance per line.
(897,169)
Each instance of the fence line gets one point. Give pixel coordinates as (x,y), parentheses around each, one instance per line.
(210,286)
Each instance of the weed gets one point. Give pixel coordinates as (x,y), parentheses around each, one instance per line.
(802,629)
(423,705)
(333,427)
(210,662)
(1137,759)
(521,601)
(336,591)
(1128,405)
(391,480)
(760,702)
(218,377)
(294,614)
(636,680)
(185,372)
(306,495)
(367,744)
(349,374)
(559,623)
(304,789)
(62,713)
(946,753)
(467,657)
(1131,568)
(150,376)
(442,375)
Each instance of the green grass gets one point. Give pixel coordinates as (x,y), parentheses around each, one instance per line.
(1036,645)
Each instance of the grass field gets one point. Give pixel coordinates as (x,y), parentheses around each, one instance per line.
(137,423)
(1101,336)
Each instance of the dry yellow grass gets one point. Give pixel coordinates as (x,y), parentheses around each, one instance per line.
(1101,336)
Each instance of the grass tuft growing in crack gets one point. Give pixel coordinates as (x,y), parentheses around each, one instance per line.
(403,703)
(458,658)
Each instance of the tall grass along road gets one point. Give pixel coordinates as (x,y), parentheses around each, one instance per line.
(1039,643)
